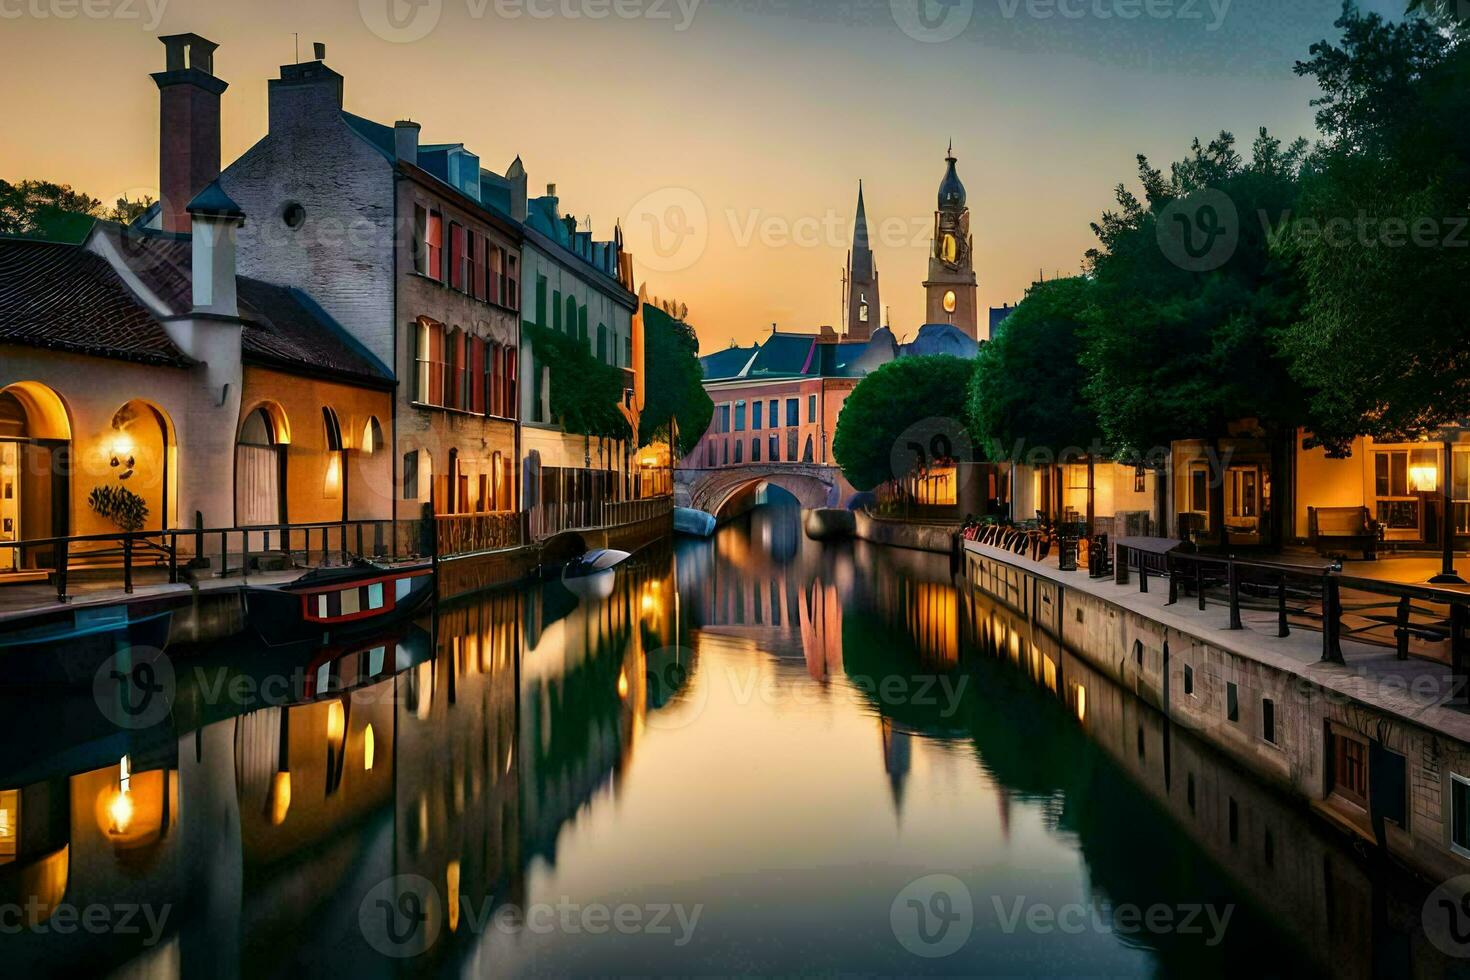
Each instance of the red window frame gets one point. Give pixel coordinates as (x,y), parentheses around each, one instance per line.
(477,370)
(510,394)
(434,246)
(456,256)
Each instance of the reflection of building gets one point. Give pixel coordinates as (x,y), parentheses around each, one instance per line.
(1350,916)
(898,752)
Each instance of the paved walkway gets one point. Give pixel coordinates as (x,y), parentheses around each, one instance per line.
(1415,689)
(20,601)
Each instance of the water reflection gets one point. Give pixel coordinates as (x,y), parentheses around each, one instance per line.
(766,738)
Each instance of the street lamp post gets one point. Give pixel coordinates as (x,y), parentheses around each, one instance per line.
(1447,574)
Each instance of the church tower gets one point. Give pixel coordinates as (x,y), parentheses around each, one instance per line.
(864,312)
(951,290)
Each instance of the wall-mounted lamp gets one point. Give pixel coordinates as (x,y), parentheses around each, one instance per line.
(122,455)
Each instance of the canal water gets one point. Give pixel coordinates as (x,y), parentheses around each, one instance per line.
(752,755)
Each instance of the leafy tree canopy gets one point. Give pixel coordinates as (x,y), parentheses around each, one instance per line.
(879,415)
(1382,234)
(1188,298)
(1026,393)
(675,381)
(42,209)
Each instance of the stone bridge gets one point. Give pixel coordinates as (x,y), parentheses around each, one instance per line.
(710,490)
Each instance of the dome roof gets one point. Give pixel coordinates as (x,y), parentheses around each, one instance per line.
(952,195)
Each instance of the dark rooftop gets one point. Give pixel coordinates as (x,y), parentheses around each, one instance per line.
(63,297)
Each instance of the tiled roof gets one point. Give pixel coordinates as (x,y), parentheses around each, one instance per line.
(283,326)
(64,297)
(286,327)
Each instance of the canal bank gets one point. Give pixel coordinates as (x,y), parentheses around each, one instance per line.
(1369,745)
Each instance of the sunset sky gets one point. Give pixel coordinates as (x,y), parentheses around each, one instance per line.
(745,123)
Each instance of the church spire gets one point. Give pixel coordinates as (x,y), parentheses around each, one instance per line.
(862,277)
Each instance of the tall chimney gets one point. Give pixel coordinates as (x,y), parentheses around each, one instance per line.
(406,141)
(189,131)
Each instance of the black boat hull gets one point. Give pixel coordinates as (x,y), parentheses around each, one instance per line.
(341,604)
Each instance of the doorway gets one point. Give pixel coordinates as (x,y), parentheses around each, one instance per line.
(259,473)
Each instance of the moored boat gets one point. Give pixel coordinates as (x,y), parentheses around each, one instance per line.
(334,602)
(68,647)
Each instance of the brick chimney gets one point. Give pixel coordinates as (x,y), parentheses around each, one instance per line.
(188,153)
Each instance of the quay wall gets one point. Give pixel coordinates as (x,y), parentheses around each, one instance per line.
(938,538)
(1234,700)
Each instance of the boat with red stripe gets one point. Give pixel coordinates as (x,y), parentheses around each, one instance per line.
(328,603)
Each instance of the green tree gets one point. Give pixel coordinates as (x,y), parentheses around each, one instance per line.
(876,419)
(1189,301)
(1027,389)
(43,209)
(1380,237)
(1176,349)
(675,381)
(585,392)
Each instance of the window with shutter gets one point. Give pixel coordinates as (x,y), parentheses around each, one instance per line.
(456,256)
(434,247)
(420,236)
(476,377)
(476,245)
(512,389)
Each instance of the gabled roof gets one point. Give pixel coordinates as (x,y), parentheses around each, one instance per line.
(380,136)
(283,327)
(63,297)
(784,355)
(727,363)
(800,355)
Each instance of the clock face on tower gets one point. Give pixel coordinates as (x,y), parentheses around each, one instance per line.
(950,301)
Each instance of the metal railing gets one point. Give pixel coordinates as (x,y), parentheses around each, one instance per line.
(131,552)
(1321,598)
(466,534)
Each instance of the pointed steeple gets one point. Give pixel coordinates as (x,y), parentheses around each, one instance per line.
(860,286)
(862,253)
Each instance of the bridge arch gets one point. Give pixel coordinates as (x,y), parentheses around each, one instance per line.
(713,490)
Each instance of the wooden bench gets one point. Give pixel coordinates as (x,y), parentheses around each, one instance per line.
(1331,529)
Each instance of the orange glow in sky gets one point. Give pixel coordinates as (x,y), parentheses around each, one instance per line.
(728,137)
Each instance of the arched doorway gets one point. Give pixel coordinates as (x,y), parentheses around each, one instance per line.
(260,468)
(142,455)
(35,473)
